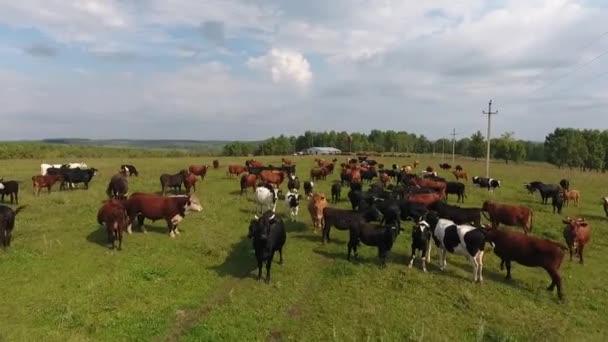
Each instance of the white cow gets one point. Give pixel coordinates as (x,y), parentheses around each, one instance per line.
(266,198)
(292,199)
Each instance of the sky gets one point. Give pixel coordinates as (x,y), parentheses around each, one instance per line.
(248,70)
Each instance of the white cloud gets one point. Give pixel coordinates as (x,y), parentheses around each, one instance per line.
(284,66)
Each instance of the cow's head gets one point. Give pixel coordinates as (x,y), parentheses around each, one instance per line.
(193,204)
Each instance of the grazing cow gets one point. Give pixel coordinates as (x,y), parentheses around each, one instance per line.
(342,219)
(557,201)
(10,188)
(235,170)
(528,251)
(508,214)
(455,188)
(459,174)
(308,186)
(114,218)
(47,181)
(129,170)
(293,183)
(172,209)
(459,239)
(7,224)
(316,205)
(190,182)
(266,197)
(484,182)
(216,164)
(572,195)
(382,237)
(318,173)
(421,240)
(72,177)
(173,181)
(292,199)
(546,190)
(576,233)
(457,214)
(565,184)
(272,177)
(445,166)
(269,236)
(199,170)
(118,186)
(458,168)
(248,181)
(336,191)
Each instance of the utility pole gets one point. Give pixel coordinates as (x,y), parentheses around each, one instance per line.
(489,113)
(454,134)
(442,150)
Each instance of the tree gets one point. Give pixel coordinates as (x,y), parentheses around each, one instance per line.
(477,145)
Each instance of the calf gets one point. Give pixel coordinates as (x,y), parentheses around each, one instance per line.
(114,218)
(557,201)
(7,224)
(308,186)
(316,205)
(248,181)
(572,195)
(292,199)
(10,188)
(459,239)
(266,197)
(576,234)
(118,186)
(172,209)
(372,235)
(336,190)
(173,181)
(528,251)
(455,188)
(459,174)
(421,239)
(47,181)
(509,215)
(269,236)
(129,170)
(457,214)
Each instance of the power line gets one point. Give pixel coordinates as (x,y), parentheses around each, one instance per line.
(489,113)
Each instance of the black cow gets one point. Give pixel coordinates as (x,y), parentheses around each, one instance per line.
(269,236)
(129,170)
(382,237)
(10,188)
(308,186)
(342,219)
(293,183)
(557,201)
(484,182)
(336,192)
(173,181)
(411,210)
(369,175)
(455,188)
(546,190)
(75,176)
(118,186)
(457,214)
(565,184)
(421,239)
(7,223)
(346,177)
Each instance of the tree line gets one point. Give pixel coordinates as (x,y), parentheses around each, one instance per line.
(584,149)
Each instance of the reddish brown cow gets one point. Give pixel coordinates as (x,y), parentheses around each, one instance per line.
(286,161)
(510,215)
(427,183)
(155,207)
(46,181)
(113,217)
(254,163)
(572,195)
(427,198)
(318,173)
(272,177)
(190,182)
(235,170)
(460,175)
(576,233)
(529,251)
(316,204)
(356,176)
(248,181)
(199,170)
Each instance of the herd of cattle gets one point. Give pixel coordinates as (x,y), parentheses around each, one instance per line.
(399,194)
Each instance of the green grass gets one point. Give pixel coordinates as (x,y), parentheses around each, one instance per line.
(61,283)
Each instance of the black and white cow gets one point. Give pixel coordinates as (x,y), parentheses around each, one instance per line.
(292,199)
(129,170)
(459,239)
(308,186)
(484,182)
(293,183)
(265,198)
(421,240)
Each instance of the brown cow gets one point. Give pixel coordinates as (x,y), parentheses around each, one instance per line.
(576,233)
(508,214)
(316,204)
(113,217)
(286,161)
(199,170)
(47,181)
(427,183)
(216,164)
(572,195)
(529,251)
(356,176)
(155,207)
(272,177)
(235,170)
(253,163)
(248,181)
(190,182)
(416,163)
(460,175)
(426,198)
(318,173)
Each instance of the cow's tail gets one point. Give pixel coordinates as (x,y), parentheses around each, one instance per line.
(19,209)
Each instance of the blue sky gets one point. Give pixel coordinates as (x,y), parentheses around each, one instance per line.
(245,69)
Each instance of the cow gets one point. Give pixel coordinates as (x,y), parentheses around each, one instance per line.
(455,188)
(253,163)
(346,176)
(248,181)
(286,161)
(605,205)
(308,186)
(528,251)
(336,191)
(44,167)
(10,188)
(118,187)
(459,239)
(173,181)
(382,237)
(572,195)
(7,224)
(190,182)
(557,201)
(266,197)
(426,199)
(293,183)
(317,174)
(421,240)
(576,233)
(172,209)
(509,215)
(459,168)
(114,218)
(445,166)
(439,186)
(369,175)
(342,219)
(316,204)
(273,177)
(269,236)
(484,182)
(565,184)
(129,170)
(235,170)
(71,177)
(199,170)
(292,200)
(216,164)
(546,190)
(457,214)
(459,174)
(39,182)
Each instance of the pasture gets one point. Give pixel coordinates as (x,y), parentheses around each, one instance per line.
(61,283)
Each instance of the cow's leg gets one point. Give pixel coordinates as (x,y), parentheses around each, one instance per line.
(268,265)
(281,256)
(508,265)
(580,253)
(570,248)
(413,256)
(260,263)
(140,221)
(119,239)
(422,255)
(442,257)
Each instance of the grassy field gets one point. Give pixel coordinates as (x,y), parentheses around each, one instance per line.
(61,283)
